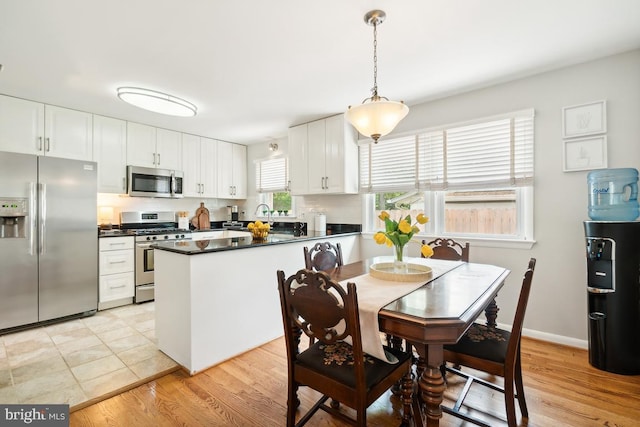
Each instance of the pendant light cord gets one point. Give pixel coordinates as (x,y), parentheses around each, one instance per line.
(375,60)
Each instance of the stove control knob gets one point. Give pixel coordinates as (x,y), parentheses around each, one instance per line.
(148,238)
(166,237)
(154,238)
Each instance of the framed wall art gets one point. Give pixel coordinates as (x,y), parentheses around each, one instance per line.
(584,119)
(584,153)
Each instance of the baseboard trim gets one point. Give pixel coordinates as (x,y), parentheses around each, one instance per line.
(545,336)
(558,339)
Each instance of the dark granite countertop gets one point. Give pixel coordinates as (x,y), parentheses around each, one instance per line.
(191,247)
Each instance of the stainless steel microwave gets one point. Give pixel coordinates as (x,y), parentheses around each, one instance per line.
(151,182)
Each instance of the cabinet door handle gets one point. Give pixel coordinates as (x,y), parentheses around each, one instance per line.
(158,159)
(39,143)
(116,287)
(122,261)
(47,144)
(326,182)
(202,188)
(117,244)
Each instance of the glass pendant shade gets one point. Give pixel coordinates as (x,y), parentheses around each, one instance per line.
(376,118)
(157,102)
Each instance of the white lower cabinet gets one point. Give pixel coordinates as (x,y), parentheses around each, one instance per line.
(117,277)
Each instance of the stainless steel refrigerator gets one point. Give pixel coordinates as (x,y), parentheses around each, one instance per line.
(48,239)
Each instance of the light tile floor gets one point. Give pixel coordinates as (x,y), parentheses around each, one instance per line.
(82,359)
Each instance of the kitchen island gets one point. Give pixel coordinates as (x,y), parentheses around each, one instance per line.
(217,298)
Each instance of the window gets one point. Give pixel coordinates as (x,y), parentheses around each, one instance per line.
(272,186)
(472,180)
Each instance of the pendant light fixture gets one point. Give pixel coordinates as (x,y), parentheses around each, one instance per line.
(376,116)
(157,102)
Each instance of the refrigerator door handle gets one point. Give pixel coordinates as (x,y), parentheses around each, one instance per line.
(43,217)
(32,218)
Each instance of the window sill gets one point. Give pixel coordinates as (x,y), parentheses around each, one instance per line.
(478,242)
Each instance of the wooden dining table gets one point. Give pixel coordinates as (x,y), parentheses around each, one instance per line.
(435,314)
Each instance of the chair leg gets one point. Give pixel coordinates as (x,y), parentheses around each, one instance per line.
(292,405)
(520,388)
(509,401)
(361,414)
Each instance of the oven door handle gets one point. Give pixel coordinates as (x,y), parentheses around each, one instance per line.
(144,245)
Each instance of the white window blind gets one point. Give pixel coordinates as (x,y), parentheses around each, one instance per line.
(489,153)
(272,175)
(389,165)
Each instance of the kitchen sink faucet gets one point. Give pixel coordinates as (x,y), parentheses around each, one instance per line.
(268,212)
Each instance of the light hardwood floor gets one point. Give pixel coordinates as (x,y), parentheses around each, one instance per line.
(250,390)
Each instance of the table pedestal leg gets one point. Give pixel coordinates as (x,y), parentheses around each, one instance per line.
(430,381)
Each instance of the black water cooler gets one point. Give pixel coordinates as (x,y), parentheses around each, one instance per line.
(613,289)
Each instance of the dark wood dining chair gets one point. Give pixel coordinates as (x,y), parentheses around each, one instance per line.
(323,256)
(315,305)
(497,352)
(448,249)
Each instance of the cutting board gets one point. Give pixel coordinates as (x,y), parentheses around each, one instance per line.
(202,218)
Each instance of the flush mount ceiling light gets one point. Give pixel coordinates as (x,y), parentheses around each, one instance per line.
(273,146)
(157,102)
(376,116)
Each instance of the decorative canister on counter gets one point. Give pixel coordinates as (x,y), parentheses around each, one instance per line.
(613,194)
(183,220)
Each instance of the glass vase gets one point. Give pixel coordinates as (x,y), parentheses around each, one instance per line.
(399,265)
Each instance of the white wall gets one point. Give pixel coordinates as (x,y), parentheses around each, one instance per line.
(558,303)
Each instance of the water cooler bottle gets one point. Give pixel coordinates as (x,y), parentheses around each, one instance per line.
(613,289)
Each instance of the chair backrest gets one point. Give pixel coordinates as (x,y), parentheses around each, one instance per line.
(521,308)
(319,307)
(448,249)
(323,256)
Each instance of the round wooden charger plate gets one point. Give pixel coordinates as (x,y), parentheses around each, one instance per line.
(386,271)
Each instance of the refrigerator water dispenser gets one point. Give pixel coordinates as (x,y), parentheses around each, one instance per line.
(13,214)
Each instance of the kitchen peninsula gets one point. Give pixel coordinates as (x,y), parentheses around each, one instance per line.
(217,298)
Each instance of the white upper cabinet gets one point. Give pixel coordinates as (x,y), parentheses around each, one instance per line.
(110,152)
(68,133)
(329,159)
(199,166)
(152,147)
(21,125)
(298,168)
(34,128)
(169,149)
(141,145)
(232,170)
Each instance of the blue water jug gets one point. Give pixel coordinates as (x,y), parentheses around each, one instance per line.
(613,194)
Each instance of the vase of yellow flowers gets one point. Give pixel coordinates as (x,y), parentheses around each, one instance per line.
(398,234)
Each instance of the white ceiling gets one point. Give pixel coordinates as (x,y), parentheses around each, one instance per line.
(256,67)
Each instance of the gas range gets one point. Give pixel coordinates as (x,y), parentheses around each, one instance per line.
(152,226)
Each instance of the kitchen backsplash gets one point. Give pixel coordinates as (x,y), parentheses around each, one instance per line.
(338,209)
